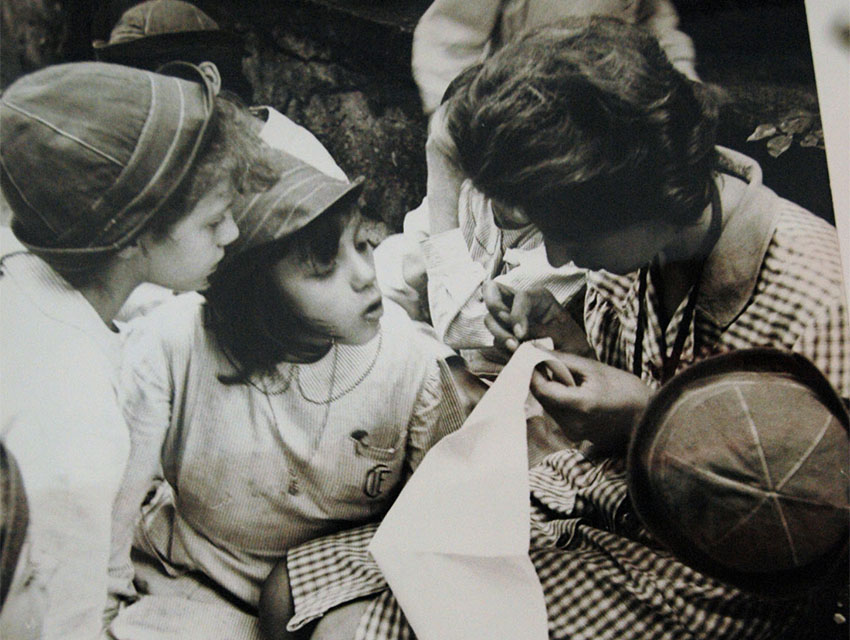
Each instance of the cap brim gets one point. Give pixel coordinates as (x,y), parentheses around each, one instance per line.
(255,231)
(160,45)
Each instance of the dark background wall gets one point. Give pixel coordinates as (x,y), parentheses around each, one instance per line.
(342,69)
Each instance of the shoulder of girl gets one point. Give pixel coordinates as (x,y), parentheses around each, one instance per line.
(403,337)
(177,318)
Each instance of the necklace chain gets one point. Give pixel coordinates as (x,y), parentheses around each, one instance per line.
(331,397)
(293,488)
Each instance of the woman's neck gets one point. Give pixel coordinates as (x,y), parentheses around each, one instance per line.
(677,278)
(679,266)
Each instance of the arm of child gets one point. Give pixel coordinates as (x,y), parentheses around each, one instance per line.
(146,391)
(450,36)
(445,176)
(71,459)
(439,411)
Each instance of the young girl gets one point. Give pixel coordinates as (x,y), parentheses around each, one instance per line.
(285,406)
(115,177)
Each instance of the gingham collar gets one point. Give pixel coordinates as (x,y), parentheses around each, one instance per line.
(750,216)
(731,270)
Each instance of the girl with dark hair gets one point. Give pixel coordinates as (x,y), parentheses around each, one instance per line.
(286,406)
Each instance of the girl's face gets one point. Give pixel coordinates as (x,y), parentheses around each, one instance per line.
(342,296)
(185,259)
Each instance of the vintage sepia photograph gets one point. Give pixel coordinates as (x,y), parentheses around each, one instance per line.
(435,319)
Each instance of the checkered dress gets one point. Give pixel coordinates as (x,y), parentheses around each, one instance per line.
(603,576)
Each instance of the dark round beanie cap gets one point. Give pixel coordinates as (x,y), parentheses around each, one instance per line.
(154,33)
(158,17)
(741,465)
(91,151)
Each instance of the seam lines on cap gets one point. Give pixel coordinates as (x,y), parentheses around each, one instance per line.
(164,162)
(147,19)
(807,454)
(196,13)
(62,132)
(773,489)
(310,194)
(297,204)
(270,208)
(24,198)
(757,440)
(788,537)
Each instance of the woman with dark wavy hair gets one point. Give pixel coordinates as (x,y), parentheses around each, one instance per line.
(584,129)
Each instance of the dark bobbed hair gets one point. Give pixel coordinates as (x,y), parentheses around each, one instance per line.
(247,314)
(585,125)
(230,154)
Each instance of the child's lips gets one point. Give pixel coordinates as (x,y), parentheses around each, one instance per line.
(374,311)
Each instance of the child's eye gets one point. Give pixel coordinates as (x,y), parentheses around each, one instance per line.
(322,269)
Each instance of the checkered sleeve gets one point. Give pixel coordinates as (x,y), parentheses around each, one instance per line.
(826,342)
(330,571)
(384,620)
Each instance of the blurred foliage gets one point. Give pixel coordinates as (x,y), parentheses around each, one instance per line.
(800,125)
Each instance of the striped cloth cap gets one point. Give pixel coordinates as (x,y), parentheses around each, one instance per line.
(92,150)
(301,194)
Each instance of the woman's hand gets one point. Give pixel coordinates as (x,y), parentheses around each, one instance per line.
(516,316)
(591,401)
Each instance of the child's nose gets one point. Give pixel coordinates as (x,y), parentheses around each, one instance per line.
(363,273)
(228,231)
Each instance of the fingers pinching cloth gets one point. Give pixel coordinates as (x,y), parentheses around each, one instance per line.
(740,466)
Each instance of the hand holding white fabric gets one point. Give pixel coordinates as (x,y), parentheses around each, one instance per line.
(454,546)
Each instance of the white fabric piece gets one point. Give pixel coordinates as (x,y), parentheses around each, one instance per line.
(280,132)
(454,546)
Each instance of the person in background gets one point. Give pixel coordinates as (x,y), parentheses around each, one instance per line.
(115,177)
(287,405)
(153,33)
(455,34)
(456,243)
